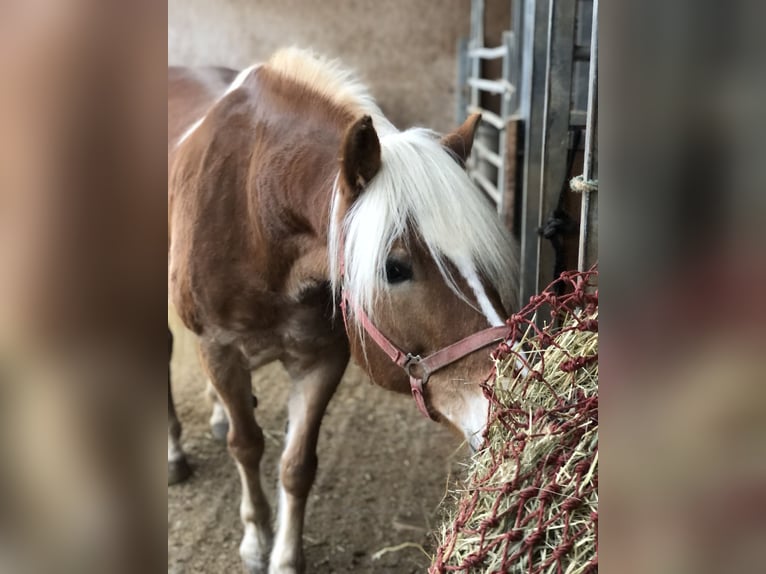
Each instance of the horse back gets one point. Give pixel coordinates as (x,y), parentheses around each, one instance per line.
(191,92)
(249,196)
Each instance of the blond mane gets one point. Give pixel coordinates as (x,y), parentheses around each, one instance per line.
(324,76)
(329,78)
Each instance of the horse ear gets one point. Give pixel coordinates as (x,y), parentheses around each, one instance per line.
(361,155)
(460,141)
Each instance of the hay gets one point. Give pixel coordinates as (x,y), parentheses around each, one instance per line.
(530,502)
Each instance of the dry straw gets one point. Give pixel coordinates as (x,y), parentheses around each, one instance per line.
(530,501)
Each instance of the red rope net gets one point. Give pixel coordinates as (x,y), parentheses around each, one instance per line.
(530,501)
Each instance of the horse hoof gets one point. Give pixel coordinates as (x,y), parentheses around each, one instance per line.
(291,569)
(255,566)
(283,562)
(220,431)
(178,471)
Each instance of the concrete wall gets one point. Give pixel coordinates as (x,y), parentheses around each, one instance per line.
(404,49)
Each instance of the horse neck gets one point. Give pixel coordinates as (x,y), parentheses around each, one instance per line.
(293,206)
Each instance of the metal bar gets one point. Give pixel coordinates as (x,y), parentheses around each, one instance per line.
(578,119)
(582,53)
(491,86)
(489,117)
(505,113)
(488,187)
(474,70)
(462,79)
(517,22)
(534,52)
(476,41)
(483,135)
(488,53)
(588,248)
(582,56)
(477,22)
(558,98)
(487,154)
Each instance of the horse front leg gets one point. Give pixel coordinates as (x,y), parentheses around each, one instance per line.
(313,385)
(231,379)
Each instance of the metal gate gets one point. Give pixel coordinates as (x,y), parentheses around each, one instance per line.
(548,93)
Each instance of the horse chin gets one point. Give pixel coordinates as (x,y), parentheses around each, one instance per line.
(475,441)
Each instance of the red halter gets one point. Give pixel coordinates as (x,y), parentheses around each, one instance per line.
(420,369)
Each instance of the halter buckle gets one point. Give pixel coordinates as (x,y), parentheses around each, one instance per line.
(417,382)
(413,362)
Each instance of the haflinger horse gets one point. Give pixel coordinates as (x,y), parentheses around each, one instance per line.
(304,227)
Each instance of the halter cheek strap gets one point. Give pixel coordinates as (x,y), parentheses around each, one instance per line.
(420,369)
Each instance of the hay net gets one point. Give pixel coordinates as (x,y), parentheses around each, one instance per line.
(530,501)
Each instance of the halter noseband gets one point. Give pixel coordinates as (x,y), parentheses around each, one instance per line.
(420,369)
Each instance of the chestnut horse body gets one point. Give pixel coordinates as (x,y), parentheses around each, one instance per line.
(287,187)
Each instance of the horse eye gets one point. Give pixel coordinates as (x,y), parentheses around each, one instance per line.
(397,272)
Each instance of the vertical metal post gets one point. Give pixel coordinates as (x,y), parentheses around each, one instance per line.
(462,81)
(505,112)
(535,46)
(485,134)
(476,41)
(588,249)
(517,23)
(558,105)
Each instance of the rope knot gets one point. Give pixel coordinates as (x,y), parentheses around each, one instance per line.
(576,363)
(487,523)
(472,561)
(547,493)
(581,185)
(571,503)
(527,493)
(533,539)
(513,535)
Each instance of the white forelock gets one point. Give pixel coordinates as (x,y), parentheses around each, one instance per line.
(421,189)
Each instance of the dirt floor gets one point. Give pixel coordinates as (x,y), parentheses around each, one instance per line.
(383,470)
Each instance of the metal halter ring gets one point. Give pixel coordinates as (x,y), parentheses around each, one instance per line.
(414,362)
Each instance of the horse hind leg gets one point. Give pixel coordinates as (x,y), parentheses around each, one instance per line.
(231,381)
(178,467)
(310,392)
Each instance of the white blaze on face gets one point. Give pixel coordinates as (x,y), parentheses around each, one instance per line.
(471,417)
(475,420)
(491,314)
(472,278)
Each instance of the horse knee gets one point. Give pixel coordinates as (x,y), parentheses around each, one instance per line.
(246,449)
(297,474)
